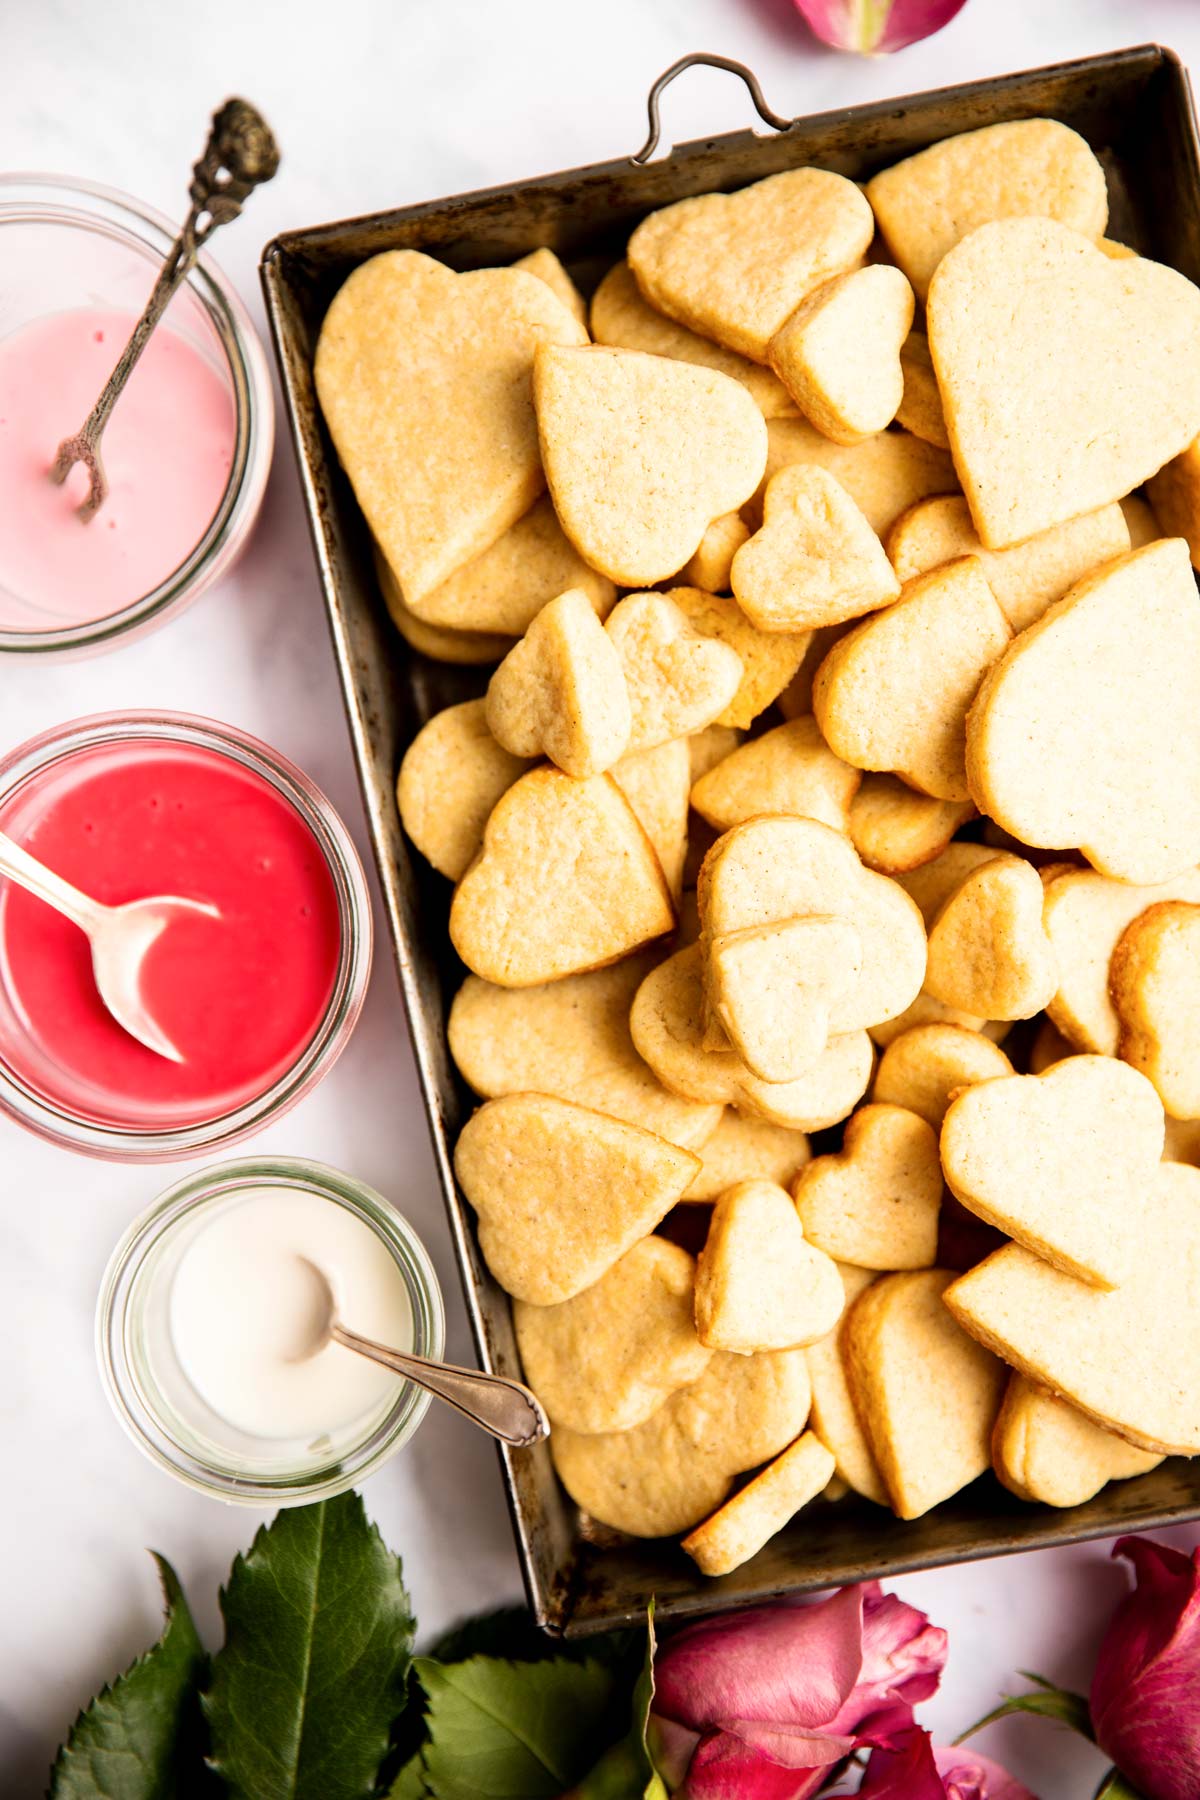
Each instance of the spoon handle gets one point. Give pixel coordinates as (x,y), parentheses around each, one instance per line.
(36,878)
(507,1409)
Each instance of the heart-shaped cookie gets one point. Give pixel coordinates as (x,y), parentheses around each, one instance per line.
(790,769)
(570,1039)
(759,1284)
(452,775)
(815,560)
(505,588)
(882,475)
(895,829)
(547,267)
(712,565)
(756,1512)
(673,1470)
(678,679)
(657,783)
(833,1417)
(928,202)
(561,691)
(876,1202)
(1086,733)
(566,880)
(445,643)
(608,1358)
(1063,1162)
(1045,1450)
(1067,378)
(1154,978)
(769,658)
(925,1010)
(734,266)
(926,1393)
(1130,1358)
(774,988)
(920,408)
(641,454)
(562,1192)
(666,1023)
(424,378)
(748,1149)
(1026,579)
(838,355)
(922,1067)
(988,950)
(776,868)
(625,319)
(932,884)
(894,693)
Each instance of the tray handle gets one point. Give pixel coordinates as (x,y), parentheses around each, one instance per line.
(696,59)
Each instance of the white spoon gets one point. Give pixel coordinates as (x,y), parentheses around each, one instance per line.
(120,936)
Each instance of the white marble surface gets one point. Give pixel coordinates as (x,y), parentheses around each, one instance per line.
(378,102)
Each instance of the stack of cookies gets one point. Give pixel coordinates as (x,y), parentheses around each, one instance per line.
(840,769)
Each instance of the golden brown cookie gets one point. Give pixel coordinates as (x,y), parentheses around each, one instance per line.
(895,829)
(920,408)
(760,1509)
(1175,496)
(748,1149)
(1045,1450)
(1154,979)
(547,267)
(710,567)
(833,1417)
(790,769)
(452,775)
(875,1203)
(679,679)
(989,953)
(775,988)
(504,588)
(814,561)
(769,658)
(561,691)
(443,642)
(923,1067)
(657,783)
(759,1284)
(838,355)
(883,475)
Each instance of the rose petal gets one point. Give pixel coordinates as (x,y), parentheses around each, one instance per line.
(905,1772)
(903,1656)
(876,26)
(1143,1695)
(726,1767)
(791,1746)
(969,1776)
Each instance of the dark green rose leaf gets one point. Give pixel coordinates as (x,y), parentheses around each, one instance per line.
(626,1771)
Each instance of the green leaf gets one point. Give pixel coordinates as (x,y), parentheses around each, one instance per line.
(510,1631)
(1115,1787)
(318,1641)
(410,1783)
(140,1739)
(501,1730)
(627,1770)
(1048,1703)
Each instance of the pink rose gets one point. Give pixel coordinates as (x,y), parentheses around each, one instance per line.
(876,26)
(762,1704)
(1145,1698)
(912,1769)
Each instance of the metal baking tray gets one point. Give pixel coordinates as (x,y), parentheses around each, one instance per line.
(1135,108)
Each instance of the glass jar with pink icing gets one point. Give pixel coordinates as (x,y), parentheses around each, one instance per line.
(259,999)
(187,448)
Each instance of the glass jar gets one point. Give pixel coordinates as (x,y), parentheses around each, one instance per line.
(66,243)
(32,1088)
(156,1402)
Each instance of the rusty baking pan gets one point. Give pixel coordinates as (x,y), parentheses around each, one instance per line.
(1135,109)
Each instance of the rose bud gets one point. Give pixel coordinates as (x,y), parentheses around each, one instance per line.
(874,27)
(1145,1696)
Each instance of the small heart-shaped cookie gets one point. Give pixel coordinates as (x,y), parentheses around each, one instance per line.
(932,884)
(657,784)
(759,1284)
(926,1393)
(760,1509)
(452,775)
(1023,317)
(882,475)
(608,1358)
(1045,1450)
(712,565)
(561,1192)
(838,355)
(895,829)
(769,658)
(1063,1162)
(570,1039)
(678,679)
(894,693)
(547,267)
(1026,579)
(988,950)
(566,880)
(774,987)
(641,454)
(748,1149)
(921,1068)
(876,1202)
(1086,733)
(833,1417)
(675,1468)
(666,1023)
(438,479)
(505,588)
(920,408)
(776,868)
(1130,1358)
(790,769)
(561,692)
(625,319)
(1154,978)
(734,266)
(927,203)
(815,561)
